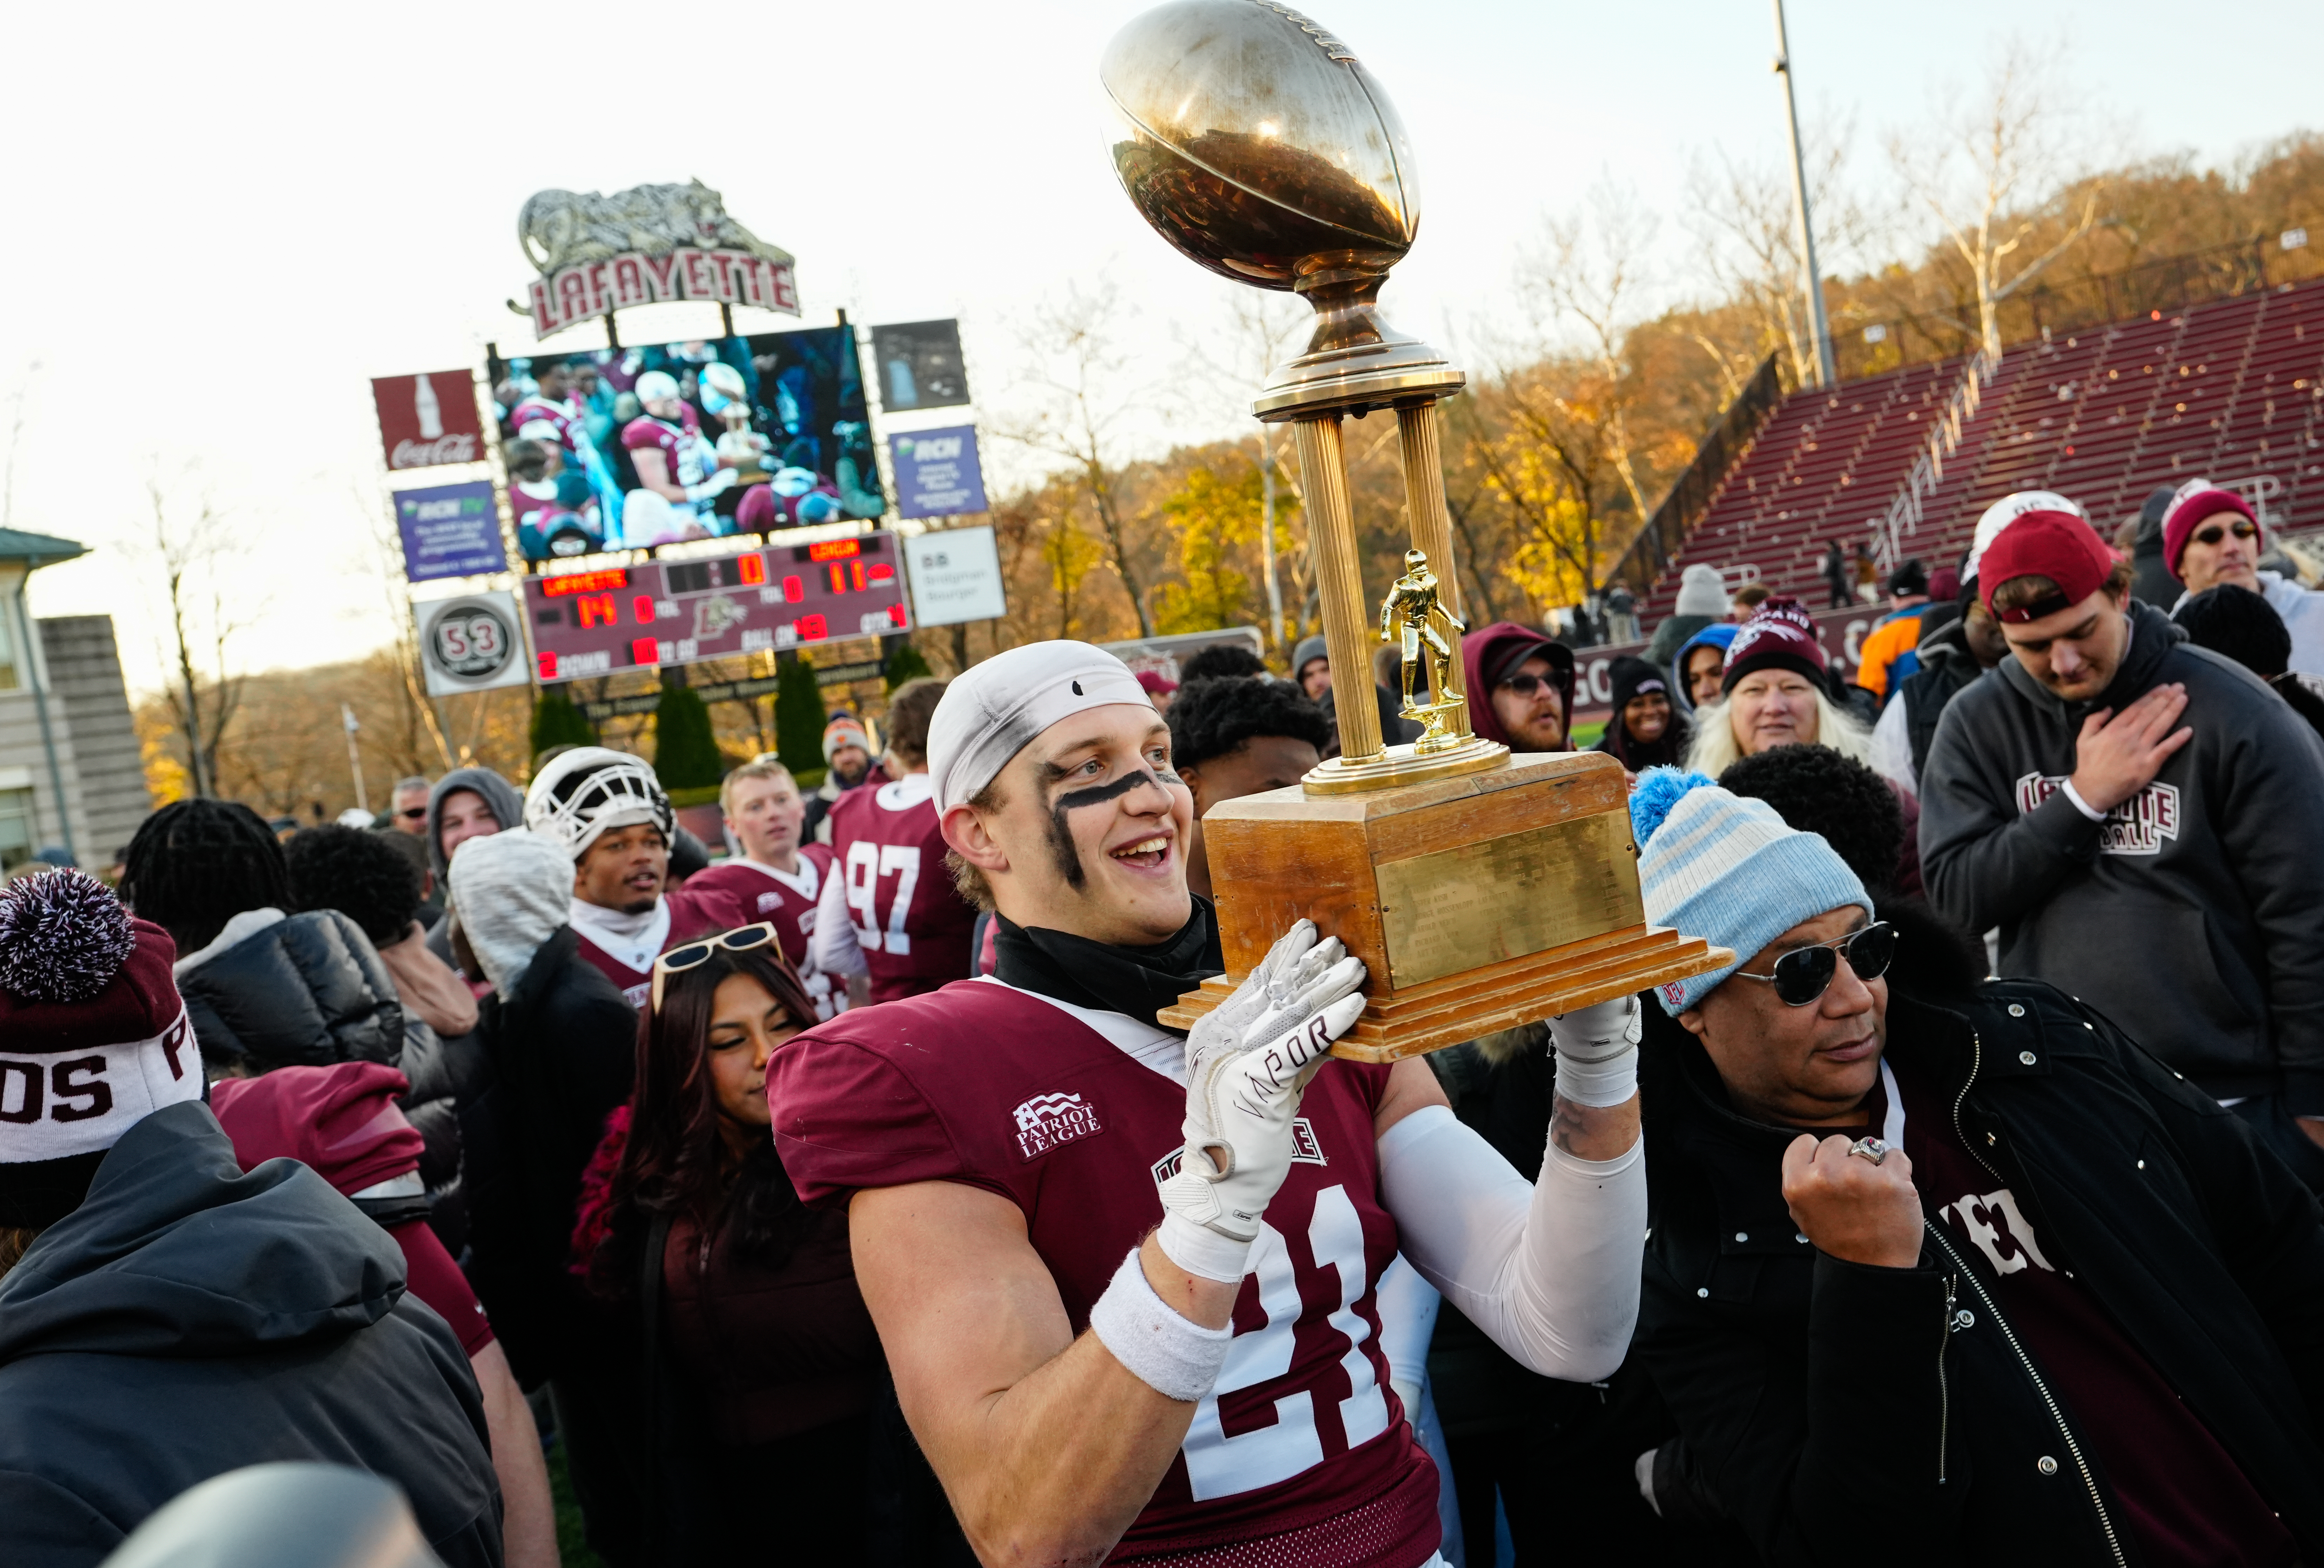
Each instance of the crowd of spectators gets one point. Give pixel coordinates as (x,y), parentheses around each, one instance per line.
(1980,1214)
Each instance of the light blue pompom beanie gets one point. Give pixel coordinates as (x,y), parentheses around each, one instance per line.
(1727,869)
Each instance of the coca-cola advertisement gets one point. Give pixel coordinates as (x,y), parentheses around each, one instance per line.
(429,419)
(647,445)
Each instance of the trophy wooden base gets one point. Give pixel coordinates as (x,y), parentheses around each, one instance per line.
(1478,903)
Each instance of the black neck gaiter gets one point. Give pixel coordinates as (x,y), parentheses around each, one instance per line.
(1139,981)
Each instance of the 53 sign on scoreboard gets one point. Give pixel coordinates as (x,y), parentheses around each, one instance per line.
(586,623)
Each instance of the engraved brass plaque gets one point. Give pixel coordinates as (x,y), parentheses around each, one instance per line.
(1461,909)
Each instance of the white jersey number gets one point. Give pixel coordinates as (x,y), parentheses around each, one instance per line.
(1218,1465)
(868,864)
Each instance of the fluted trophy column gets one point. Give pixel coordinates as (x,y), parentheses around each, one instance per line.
(1348,633)
(1418,428)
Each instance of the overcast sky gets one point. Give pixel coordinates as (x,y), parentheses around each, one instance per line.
(228,217)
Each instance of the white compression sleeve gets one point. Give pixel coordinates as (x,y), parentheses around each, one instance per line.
(1551,1272)
(1407,1307)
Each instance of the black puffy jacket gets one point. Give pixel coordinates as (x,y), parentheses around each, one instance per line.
(309,990)
(1827,1403)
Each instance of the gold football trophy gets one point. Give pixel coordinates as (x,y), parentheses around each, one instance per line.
(1482,889)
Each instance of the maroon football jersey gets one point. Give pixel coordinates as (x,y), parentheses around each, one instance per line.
(765,896)
(1302,1454)
(693,912)
(685,459)
(910,921)
(563,417)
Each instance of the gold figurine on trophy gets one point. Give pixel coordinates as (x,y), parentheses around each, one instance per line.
(1427,625)
(1481,890)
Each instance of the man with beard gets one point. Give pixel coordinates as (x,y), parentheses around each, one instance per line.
(1006,1149)
(847,762)
(1520,687)
(608,812)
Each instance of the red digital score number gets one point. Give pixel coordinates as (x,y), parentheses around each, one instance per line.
(794,590)
(645,650)
(753,569)
(811,629)
(642,608)
(591,610)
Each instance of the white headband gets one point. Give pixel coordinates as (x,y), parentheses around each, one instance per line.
(993,710)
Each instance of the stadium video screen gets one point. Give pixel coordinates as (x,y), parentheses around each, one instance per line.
(625,448)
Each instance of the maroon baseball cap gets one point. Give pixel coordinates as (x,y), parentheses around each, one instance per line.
(2056,545)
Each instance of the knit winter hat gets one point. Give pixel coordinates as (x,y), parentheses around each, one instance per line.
(1310,650)
(994,710)
(843,730)
(93,1038)
(512,891)
(1727,870)
(1702,591)
(2195,500)
(1779,635)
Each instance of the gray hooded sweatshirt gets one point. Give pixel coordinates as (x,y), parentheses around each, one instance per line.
(2191,916)
(188,1319)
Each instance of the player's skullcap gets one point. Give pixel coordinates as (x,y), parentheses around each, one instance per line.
(993,710)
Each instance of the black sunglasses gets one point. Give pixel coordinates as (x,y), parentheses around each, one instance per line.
(2214,532)
(1526,685)
(1804,974)
(412,813)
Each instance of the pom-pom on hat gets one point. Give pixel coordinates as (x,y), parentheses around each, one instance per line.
(843,730)
(2196,500)
(1702,591)
(93,1037)
(994,710)
(1718,866)
(1779,635)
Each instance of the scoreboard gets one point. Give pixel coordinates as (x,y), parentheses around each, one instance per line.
(682,611)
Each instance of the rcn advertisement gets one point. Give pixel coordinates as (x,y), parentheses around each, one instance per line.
(473,642)
(449,530)
(936,472)
(429,420)
(626,448)
(919,365)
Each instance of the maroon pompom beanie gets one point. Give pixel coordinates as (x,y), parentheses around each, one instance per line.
(2196,500)
(1778,635)
(93,1037)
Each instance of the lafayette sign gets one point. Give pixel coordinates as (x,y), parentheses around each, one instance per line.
(641,246)
(587,290)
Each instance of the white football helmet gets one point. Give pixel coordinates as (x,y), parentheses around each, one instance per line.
(590,790)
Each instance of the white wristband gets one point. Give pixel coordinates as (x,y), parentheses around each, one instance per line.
(1199,1250)
(1178,1358)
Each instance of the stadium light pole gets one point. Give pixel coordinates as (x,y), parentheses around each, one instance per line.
(1826,375)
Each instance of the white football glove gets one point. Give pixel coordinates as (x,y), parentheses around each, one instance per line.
(717,485)
(1597,1052)
(1247,1062)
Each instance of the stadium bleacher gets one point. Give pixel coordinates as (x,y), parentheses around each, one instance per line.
(2231,389)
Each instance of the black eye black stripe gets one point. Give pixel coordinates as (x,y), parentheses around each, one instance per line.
(1061,839)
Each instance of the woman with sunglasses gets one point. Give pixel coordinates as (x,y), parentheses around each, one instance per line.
(764,1371)
(1948,1261)
(2211,536)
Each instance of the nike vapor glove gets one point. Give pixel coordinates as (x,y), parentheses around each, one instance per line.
(1597,1052)
(1247,1062)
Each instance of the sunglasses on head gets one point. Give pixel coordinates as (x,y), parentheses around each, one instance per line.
(2212,533)
(1804,974)
(688,956)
